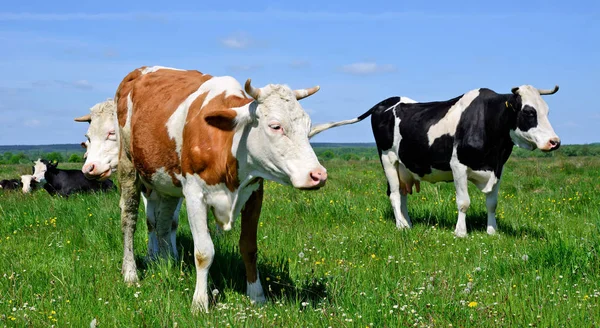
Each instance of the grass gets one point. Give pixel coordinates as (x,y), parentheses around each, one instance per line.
(327,258)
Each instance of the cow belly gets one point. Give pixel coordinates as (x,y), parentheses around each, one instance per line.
(217,197)
(484,180)
(162,182)
(435,176)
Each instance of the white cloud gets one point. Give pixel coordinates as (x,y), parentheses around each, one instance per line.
(238,41)
(595,116)
(366,68)
(31,123)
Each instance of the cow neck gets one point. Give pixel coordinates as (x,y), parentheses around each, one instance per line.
(507,110)
(53,172)
(239,144)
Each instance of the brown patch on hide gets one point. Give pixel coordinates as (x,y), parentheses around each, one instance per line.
(207,150)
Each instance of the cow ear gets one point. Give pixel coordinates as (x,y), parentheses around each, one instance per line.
(223,119)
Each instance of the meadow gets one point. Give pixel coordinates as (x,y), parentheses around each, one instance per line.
(327,258)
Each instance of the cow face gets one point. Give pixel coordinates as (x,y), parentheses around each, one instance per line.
(278,141)
(40,167)
(28,183)
(533,129)
(102,145)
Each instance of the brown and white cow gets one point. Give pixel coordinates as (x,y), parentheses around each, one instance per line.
(185,133)
(101,160)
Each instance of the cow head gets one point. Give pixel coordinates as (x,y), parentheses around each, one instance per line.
(28,183)
(102,145)
(277,141)
(40,167)
(533,129)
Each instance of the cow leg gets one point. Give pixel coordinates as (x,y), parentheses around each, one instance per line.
(396,197)
(174,226)
(149,204)
(164,212)
(404,208)
(204,250)
(491,201)
(129,203)
(248,248)
(459,173)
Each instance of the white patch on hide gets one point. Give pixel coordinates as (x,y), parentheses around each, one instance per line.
(449,123)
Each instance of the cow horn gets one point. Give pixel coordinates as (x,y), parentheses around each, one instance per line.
(548,92)
(250,90)
(84,118)
(303,93)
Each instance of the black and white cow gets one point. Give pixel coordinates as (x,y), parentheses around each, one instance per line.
(467,138)
(65,182)
(10,184)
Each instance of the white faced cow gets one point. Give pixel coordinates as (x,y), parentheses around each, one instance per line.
(102,158)
(185,133)
(467,138)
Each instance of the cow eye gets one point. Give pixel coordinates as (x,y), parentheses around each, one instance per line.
(276,127)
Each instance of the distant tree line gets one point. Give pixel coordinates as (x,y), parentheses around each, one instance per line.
(22,158)
(73,153)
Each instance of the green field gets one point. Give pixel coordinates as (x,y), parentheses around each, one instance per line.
(331,257)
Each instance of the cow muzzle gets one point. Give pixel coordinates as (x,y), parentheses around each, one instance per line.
(94,171)
(551,145)
(316,179)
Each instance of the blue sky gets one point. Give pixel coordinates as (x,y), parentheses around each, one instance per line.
(59,58)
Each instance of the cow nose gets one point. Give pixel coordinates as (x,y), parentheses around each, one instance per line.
(319,176)
(554,143)
(89,168)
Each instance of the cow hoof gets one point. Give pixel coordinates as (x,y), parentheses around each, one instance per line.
(200,305)
(491,230)
(403,225)
(255,292)
(130,277)
(258,299)
(460,234)
(198,308)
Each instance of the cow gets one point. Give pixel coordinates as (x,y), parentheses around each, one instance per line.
(10,184)
(65,182)
(101,160)
(187,134)
(467,138)
(28,183)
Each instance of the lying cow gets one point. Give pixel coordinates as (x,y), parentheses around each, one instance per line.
(467,138)
(189,134)
(10,184)
(101,160)
(65,182)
